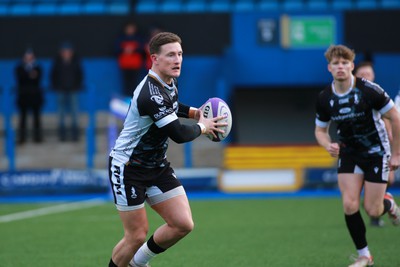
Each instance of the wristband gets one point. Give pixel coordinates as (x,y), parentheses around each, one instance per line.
(192,112)
(202,127)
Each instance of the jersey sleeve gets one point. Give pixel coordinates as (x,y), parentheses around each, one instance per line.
(380,100)
(322,115)
(183,110)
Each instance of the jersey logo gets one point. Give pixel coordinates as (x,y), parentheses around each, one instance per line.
(154,89)
(158,99)
(133,193)
(376,169)
(356,99)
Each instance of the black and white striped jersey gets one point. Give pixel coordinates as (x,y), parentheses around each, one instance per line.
(357,115)
(154,104)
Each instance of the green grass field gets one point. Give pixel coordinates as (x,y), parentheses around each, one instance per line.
(228,233)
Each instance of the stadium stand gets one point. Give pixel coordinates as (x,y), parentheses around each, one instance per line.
(154,6)
(123,7)
(276,157)
(64,7)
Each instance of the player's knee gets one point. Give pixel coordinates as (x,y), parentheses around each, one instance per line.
(350,206)
(185,227)
(136,238)
(373,211)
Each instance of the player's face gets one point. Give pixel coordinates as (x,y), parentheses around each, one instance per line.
(366,72)
(167,64)
(340,68)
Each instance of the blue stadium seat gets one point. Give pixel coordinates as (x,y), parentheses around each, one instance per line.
(366,4)
(171,6)
(318,4)
(390,3)
(268,5)
(45,8)
(120,7)
(149,6)
(196,6)
(21,9)
(293,4)
(68,8)
(3,9)
(220,6)
(244,5)
(342,4)
(94,7)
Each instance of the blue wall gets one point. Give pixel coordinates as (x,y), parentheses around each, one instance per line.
(101,73)
(258,64)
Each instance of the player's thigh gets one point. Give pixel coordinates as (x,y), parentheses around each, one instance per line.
(175,211)
(373,197)
(350,185)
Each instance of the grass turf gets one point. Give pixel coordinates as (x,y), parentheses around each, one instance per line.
(228,233)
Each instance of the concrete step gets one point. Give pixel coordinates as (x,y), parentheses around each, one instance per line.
(52,153)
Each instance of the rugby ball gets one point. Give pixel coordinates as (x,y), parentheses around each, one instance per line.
(215,107)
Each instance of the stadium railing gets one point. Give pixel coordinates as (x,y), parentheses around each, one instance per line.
(9,132)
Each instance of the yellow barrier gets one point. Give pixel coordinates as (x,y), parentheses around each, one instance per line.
(276,157)
(261,164)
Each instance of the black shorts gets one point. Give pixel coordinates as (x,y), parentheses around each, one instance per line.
(133,185)
(374,168)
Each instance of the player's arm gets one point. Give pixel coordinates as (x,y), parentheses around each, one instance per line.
(181,133)
(324,140)
(186,111)
(394,117)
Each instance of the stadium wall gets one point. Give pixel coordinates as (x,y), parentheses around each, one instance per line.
(217,62)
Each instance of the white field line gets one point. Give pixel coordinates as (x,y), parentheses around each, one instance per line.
(51,210)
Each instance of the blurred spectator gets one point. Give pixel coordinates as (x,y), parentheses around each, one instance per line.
(29,95)
(67,78)
(131,56)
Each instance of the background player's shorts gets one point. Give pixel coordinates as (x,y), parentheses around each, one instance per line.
(132,185)
(374,168)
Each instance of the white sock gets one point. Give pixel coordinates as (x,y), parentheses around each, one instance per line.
(364,252)
(143,255)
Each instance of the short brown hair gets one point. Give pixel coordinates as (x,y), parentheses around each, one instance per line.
(339,51)
(161,39)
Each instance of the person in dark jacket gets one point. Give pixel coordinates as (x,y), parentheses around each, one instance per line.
(29,95)
(67,78)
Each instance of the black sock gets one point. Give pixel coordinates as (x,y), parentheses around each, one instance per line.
(153,246)
(112,264)
(387,205)
(357,230)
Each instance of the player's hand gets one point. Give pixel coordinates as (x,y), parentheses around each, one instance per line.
(394,162)
(333,149)
(212,124)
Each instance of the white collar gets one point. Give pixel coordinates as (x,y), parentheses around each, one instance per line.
(152,73)
(347,91)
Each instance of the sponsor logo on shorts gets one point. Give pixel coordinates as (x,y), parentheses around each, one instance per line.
(133,193)
(117,182)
